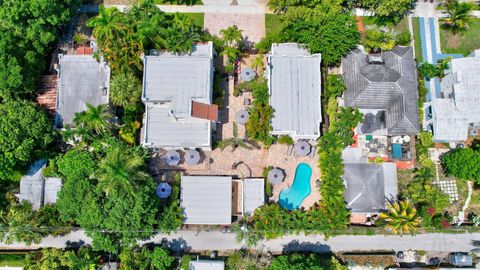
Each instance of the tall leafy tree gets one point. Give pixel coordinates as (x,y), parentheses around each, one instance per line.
(401,217)
(25,132)
(231,36)
(463,163)
(325,29)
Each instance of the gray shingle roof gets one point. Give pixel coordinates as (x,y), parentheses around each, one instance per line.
(81,80)
(391,86)
(170,83)
(295,84)
(368,186)
(206,199)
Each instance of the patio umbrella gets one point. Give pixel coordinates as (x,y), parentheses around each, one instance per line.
(302,148)
(172,158)
(241,117)
(247,74)
(275,176)
(164,190)
(192,157)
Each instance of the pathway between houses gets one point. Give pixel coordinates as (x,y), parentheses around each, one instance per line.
(216,240)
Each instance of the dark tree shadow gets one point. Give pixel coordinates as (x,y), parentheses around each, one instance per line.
(297,246)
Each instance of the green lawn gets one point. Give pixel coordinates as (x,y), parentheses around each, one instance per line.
(272,23)
(197,18)
(176,2)
(464,42)
(399,27)
(417,40)
(12,260)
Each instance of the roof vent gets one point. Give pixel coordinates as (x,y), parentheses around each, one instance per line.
(375,59)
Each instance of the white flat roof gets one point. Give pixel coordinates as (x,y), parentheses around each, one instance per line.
(295,84)
(253,194)
(206,265)
(206,199)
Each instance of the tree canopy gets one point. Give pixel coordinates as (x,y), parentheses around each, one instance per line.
(114,205)
(463,163)
(27,32)
(25,132)
(324,29)
(124,36)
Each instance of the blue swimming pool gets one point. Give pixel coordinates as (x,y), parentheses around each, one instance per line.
(293,196)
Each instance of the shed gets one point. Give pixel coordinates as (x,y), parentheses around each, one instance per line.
(206,199)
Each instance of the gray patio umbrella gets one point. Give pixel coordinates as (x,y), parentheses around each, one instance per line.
(275,176)
(247,74)
(164,190)
(241,117)
(302,148)
(172,158)
(192,157)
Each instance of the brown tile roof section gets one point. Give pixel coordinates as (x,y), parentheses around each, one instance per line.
(84,50)
(205,111)
(47,89)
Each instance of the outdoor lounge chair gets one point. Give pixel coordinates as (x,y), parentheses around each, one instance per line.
(289,150)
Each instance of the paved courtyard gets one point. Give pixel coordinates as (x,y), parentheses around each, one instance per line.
(252,25)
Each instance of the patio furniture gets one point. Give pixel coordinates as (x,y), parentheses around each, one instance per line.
(172,158)
(246,101)
(312,152)
(275,176)
(192,157)
(247,74)
(302,148)
(242,117)
(163,190)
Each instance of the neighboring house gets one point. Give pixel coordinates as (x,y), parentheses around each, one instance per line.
(39,190)
(368,186)
(177,93)
(384,88)
(206,265)
(458,110)
(81,80)
(294,82)
(214,200)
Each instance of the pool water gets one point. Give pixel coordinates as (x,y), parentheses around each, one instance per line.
(293,196)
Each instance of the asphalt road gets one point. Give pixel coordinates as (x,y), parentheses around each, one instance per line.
(194,241)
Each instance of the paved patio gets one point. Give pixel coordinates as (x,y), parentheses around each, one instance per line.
(252,25)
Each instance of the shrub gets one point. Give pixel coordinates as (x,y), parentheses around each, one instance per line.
(285,139)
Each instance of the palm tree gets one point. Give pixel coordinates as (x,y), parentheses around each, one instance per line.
(401,217)
(257,63)
(235,141)
(120,170)
(105,25)
(458,15)
(94,118)
(125,90)
(231,35)
(18,223)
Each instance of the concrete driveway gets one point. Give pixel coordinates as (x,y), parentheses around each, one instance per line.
(252,24)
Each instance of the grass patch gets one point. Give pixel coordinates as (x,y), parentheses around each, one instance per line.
(197,18)
(400,27)
(12,260)
(463,42)
(177,2)
(272,23)
(417,41)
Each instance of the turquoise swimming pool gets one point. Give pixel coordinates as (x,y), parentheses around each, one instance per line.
(293,196)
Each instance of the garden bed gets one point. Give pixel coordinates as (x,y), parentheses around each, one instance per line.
(463,42)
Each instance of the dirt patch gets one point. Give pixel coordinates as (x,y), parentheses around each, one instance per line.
(453,41)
